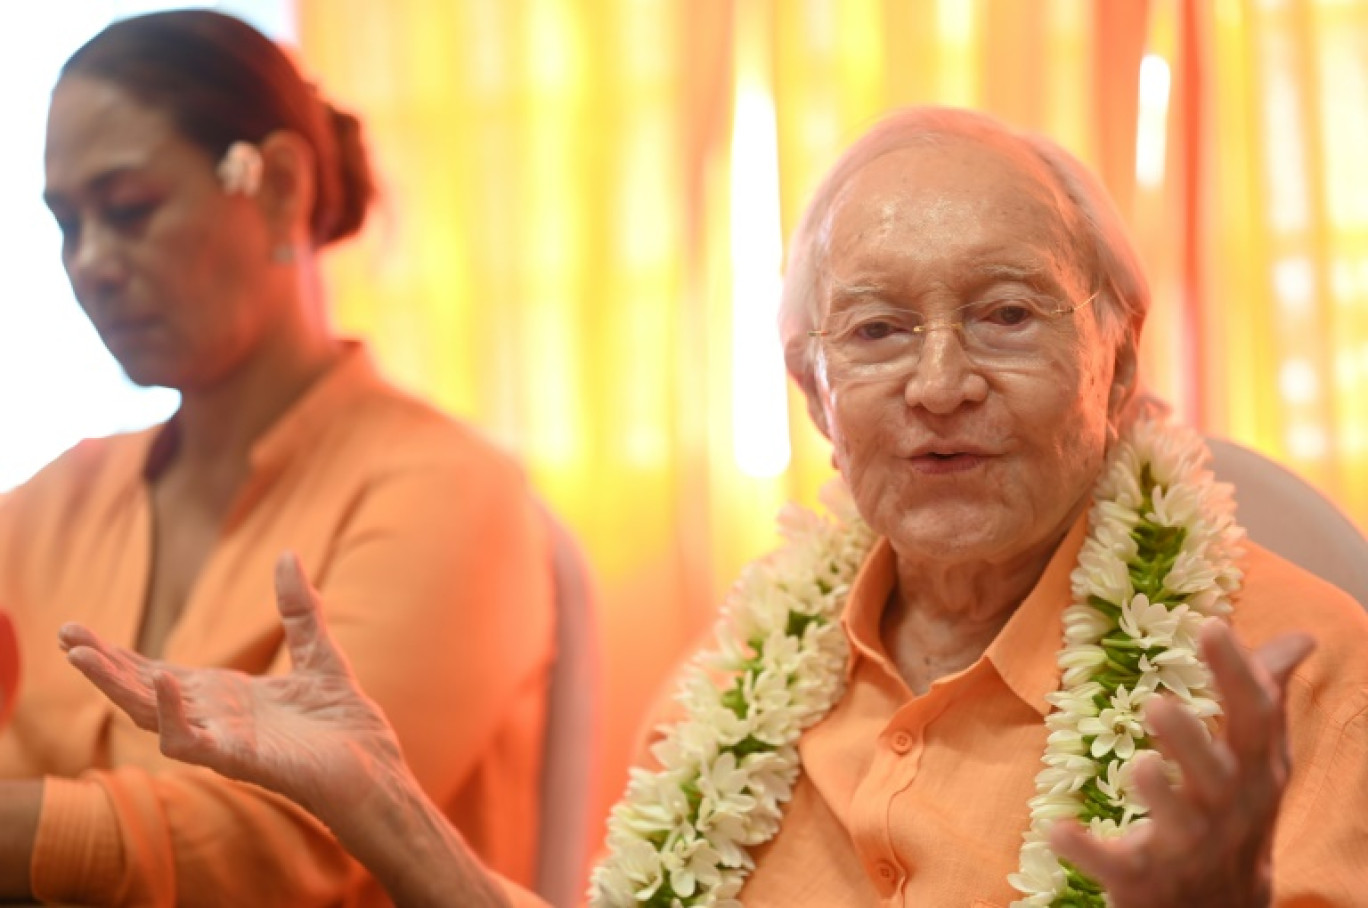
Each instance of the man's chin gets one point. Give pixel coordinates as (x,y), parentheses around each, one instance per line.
(954,534)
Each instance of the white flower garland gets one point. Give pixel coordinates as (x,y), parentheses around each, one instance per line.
(1159,559)
(681,836)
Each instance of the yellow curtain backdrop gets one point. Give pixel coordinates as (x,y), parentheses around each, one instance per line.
(1283,235)
(537,266)
(579,244)
(1252,212)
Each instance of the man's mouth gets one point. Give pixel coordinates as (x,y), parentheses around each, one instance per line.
(938,463)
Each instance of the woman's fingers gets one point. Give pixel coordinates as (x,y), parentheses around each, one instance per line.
(311,646)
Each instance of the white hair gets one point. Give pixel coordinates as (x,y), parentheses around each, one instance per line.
(1097,235)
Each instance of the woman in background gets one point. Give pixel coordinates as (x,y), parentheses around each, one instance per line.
(195,176)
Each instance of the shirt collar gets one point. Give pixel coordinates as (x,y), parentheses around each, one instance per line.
(298,426)
(1023,651)
(865,607)
(319,404)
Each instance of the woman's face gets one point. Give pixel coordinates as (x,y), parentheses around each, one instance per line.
(172,271)
(955,459)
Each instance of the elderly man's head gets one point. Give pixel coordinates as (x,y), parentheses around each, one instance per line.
(1099,242)
(962,310)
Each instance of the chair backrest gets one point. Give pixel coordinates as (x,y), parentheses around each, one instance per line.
(1285,514)
(571,751)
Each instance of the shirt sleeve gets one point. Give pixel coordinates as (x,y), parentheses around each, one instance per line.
(440,594)
(1320,854)
(438,589)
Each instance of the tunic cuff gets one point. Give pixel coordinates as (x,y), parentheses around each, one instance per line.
(77,853)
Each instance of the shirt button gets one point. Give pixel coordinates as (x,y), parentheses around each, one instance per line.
(901,742)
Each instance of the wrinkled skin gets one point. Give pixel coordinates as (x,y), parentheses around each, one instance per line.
(311,735)
(1211,839)
(930,229)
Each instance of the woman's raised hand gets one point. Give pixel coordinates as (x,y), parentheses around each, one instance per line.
(311,735)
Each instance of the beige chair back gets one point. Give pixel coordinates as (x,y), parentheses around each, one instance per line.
(1285,514)
(571,751)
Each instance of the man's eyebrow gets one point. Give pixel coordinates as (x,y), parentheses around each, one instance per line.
(854,289)
(1038,277)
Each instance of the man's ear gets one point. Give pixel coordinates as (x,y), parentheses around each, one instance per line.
(1125,372)
(288,185)
(815,407)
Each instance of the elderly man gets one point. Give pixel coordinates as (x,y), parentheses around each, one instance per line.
(959,691)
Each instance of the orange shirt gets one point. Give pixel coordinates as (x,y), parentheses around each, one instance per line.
(921,800)
(435,571)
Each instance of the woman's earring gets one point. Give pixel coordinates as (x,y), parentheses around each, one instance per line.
(283,253)
(239,170)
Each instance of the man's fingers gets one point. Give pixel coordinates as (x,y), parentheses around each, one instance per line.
(1207,767)
(1169,808)
(171,719)
(136,666)
(1281,655)
(179,739)
(72,635)
(311,646)
(1105,862)
(1252,685)
(124,689)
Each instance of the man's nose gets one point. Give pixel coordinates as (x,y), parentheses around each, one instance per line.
(945,376)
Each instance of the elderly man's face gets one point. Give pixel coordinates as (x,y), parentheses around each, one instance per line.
(962,458)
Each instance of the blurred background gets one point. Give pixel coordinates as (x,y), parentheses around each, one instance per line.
(580,240)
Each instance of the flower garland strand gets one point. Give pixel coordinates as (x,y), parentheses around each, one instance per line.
(1159,561)
(681,836)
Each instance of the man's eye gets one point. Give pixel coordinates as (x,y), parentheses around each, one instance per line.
(1010,314)
(874,330)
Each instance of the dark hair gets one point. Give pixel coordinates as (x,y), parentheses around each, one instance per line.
(221,81)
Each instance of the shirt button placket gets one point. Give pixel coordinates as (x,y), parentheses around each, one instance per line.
(888,876)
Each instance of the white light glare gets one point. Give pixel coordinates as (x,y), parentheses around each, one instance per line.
(760,435)
(1151,137)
